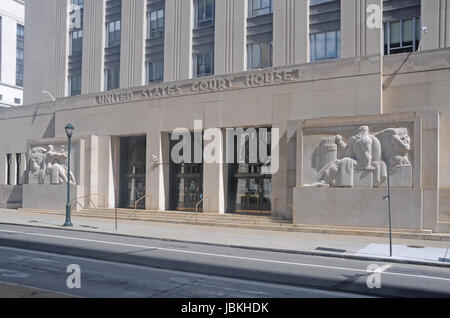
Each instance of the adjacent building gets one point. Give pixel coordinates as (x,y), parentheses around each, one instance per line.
(345,94)
(12,37)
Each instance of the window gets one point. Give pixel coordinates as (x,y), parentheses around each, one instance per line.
(155,20)
(79,3)
(203,64)
(204,13)
(18,164)
(155,72)
(314,2)
(112,78)
(326,45)
(8,168)
(259,55)
(20,54)
(17,101)
(402,36)
(75,85)
(76,42)
(113,33)
(259,7)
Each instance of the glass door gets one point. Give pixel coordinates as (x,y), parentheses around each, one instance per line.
(253,195)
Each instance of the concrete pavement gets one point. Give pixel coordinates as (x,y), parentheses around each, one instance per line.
(358,247)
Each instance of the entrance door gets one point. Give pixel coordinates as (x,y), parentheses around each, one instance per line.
(253,195)
(132,172)
(189,180)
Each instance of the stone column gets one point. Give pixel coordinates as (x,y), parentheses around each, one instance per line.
(436,16)
(230,36)
(290,32)
(357,38)
(92,73)
(430,169)
(158,163)
(132,49)
(281,192)
(178,40)
(215,175)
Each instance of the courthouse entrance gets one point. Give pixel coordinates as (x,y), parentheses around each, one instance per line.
(251,183)
(186,180)
(132,171)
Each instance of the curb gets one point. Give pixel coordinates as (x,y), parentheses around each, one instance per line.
(242,247)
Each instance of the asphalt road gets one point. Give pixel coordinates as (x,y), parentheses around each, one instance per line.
(117,266)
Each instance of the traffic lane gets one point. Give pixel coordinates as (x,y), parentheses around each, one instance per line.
(313,272)
(108,279)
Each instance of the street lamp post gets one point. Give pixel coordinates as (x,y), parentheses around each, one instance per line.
(69,132)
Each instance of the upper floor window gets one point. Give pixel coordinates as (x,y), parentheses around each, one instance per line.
(20,54)
(326,45)
(402,36)
(113,33)
(155,24)
(259,7)
(204,13)
(203,64)
(112,78)
(76,41)
(155,72)
(75,85)
(259,55)
(314,2)
(79,3)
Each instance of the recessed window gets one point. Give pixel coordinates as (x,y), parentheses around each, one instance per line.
(155,72)
(113,33)
(112,78)
(259,7)
(75,85)
(203,64)
(76,41)
(326,45)
(155,24)
(20,55)
(259,55)
(204,13)
(8,168)
(402,36)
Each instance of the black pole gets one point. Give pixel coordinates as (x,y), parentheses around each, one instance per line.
(68,207)
(389,204)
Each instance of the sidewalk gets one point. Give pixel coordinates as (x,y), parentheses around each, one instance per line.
(357,247)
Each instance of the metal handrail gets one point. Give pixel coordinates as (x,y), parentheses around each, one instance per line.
(287,203)
(140,199)
(203,200)
(76,201)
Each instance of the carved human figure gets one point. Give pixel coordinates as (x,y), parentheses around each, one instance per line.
(56,165)
(49,162)
(363,152)
(395,145)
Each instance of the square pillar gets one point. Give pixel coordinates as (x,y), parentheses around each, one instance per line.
(132,48)
(436,16)
(92,77)
(178,40)
(290,32)
(230,36)
(357,38)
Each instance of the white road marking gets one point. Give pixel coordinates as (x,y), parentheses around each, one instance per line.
(228,256)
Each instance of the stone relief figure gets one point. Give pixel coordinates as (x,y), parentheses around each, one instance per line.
(50,162)
(363,153)
(395,144)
